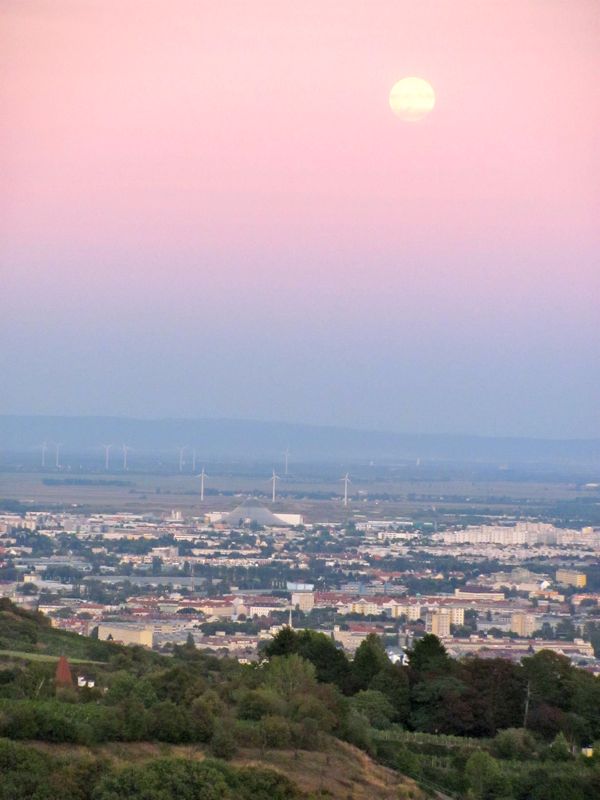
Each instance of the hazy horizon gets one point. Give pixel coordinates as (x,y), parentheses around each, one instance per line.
(208,210)
(295,424)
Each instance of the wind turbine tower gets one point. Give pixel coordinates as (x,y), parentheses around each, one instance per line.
(286,456)
(57,447)
(126,450)
(44,448)
(106,456)
(194,459)
(346,480)
(274,480)
(202,476)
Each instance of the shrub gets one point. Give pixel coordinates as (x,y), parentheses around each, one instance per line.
(222,743)
(275,732)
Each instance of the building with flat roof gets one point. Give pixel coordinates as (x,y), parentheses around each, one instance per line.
(570,577)
(126,634)
(305,601)
(523,624)
(438,622)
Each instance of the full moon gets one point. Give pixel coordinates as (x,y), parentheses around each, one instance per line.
(412,99)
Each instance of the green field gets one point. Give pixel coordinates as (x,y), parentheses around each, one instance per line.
(23,656)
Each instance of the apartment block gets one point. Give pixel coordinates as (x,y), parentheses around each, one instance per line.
(438,622)
(570,577)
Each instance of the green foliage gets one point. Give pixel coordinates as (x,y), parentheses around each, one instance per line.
(392,681)
(440,705)
(356,730)
(124,686)
(223,743)
(429,657)
(375,707)
(495,694)
(484,777)
(369,660)
(202,720)
(54,721)
(290,675)
(258,703)
(31,632)
(331,664)
(164,779)
(514,743)
(307,690)
(559,749)
(275,732)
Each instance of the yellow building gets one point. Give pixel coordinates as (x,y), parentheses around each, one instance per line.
(570,577)
(127,634)
(457,616)
(438,623)
(305,601)
(365,607)
(522,624)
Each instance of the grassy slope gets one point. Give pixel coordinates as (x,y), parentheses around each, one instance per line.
(30,633)
(341,772)
(20,655)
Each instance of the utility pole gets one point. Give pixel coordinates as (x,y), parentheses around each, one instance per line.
(527,699)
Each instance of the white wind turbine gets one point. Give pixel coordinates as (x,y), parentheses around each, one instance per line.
(107,448)
(57,447)
(286,459)
(193,459)
(44,449)
(346,480)
(202,476)
(274,480)
(126,450)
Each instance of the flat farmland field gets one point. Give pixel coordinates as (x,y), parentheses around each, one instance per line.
(318,498)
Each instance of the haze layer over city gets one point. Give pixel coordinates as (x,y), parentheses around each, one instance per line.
(299,408)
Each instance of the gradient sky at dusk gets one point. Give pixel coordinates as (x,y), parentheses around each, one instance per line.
(207,208)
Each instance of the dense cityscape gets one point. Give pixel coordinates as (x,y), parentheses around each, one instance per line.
(231,580)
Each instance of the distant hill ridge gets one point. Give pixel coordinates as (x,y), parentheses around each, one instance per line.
(251,440)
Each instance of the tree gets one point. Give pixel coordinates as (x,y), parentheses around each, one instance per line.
(169,723)
(514,744)
(284,643)
(202,720)
(375,707)
(275,732)
(429,657)
(330,662)
(559,750)
(484,777)
(369,660)
(392,681)
(223,744)
(550,676)
(257,703)
(496,693)
(440,705)
(289,675)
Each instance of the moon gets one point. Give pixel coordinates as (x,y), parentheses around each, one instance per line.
(412,99)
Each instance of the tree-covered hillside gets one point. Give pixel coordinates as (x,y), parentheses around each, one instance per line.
(476,728)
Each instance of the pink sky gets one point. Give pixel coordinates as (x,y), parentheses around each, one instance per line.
(235,160)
